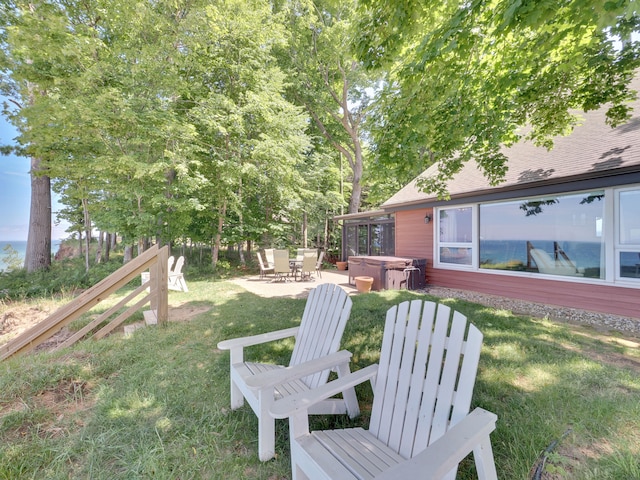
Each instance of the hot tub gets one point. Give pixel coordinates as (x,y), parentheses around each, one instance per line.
(388,272)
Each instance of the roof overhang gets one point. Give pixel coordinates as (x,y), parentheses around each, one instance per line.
(355,216)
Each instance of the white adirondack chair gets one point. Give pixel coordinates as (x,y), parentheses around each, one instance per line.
(420,424)
(315,353)
(176,277)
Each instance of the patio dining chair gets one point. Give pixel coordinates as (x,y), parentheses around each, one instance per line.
(308,266)
(281,266)
(264,268)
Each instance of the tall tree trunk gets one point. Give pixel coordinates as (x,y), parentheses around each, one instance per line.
(128,254)
(107,247)
(99,248)
(38,254)
(215,247)
(87,232)
(305,230)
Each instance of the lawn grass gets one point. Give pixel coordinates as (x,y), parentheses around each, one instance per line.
(156,405)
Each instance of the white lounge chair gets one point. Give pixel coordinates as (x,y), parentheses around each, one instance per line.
(420,425)
(315,353)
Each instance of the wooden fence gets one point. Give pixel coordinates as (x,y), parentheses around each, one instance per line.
(154,259)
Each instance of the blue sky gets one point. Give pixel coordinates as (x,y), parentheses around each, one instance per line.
(15,192)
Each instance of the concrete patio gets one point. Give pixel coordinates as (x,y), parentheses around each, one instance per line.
(266,287)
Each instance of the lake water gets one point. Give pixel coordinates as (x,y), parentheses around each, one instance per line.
(20,246)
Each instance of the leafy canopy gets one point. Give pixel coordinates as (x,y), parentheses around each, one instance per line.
(464,77)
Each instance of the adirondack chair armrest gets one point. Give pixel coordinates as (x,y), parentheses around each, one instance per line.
(449,450)
(294,404)
(275,377)
(257,339)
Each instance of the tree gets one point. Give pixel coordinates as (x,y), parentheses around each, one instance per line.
(25,81)
(328,80)
(249,138)
(466,77)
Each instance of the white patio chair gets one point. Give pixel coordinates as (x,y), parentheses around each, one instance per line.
(176,277)
(264,269)
(315,353)
(268,256)
(319,264)
(420,425)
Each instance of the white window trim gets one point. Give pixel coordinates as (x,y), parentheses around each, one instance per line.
(473,245)
(611,233)
(613,254)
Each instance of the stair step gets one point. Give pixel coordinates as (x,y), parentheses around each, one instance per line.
(150,317)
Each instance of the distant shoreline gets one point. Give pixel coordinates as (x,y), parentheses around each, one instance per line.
(20,246)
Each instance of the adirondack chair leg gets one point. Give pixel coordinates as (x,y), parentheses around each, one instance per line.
(236,355)
(349,395)
(266,426)
(237,399)
(485,464)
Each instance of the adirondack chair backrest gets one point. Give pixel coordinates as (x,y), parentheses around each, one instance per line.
(177,268)
(170,263)
(426,375)
(325,316)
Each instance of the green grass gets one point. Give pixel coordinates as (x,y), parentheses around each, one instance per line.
(157,405)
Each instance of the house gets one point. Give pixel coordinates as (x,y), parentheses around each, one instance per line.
(562,229)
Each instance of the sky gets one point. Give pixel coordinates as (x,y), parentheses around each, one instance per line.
(15,193)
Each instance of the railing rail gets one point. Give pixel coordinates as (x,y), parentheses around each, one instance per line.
(155,259)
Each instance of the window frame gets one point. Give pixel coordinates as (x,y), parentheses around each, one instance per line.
(618,246)
(472,244)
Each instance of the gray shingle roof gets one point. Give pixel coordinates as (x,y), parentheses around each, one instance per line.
(592,150)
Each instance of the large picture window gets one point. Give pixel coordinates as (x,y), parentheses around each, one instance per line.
(554,235)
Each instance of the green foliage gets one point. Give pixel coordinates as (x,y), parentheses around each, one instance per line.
(61,278)
(464,78)
(11,258)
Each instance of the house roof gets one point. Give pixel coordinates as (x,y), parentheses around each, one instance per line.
(593,150)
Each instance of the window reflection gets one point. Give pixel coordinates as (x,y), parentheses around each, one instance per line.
(559,235)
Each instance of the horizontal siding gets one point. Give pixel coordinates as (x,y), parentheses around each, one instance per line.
(598,298)
(414,239)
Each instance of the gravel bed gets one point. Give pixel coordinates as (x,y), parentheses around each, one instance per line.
(600,321)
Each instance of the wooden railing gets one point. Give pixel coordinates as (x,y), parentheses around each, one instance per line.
(154,259)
